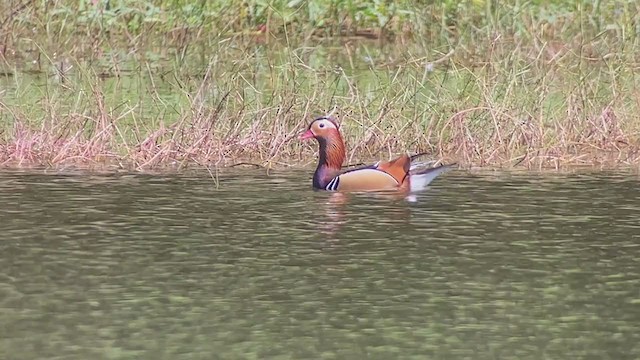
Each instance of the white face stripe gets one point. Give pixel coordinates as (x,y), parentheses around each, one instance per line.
(323,123)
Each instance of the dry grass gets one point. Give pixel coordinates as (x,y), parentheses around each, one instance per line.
(520,91)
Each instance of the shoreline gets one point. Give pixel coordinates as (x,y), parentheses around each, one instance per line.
(252,164)
(505,87)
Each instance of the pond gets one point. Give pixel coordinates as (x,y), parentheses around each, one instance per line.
(258,266)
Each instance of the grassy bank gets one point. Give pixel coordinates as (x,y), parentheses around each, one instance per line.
(173,84)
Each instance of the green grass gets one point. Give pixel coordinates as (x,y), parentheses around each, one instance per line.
(175,83)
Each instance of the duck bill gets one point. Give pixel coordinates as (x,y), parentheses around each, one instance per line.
(306,135)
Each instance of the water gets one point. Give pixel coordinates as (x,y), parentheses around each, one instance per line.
(482,266)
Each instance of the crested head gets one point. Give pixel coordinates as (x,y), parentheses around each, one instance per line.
(332,153)
(326,118)
(322,127)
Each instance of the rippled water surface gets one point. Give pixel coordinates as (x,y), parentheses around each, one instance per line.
(482,266)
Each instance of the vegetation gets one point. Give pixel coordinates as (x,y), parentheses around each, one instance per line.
(167,83)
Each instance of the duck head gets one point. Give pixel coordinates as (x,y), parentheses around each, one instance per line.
(322,127)
(331,148)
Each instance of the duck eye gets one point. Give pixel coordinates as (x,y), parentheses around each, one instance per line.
(321,125)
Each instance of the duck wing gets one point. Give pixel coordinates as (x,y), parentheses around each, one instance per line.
(380,176)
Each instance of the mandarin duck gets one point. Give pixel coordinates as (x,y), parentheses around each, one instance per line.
(397,174)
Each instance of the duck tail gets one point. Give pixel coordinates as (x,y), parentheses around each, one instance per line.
(421,179)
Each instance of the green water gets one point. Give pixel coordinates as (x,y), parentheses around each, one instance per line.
(482,266)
